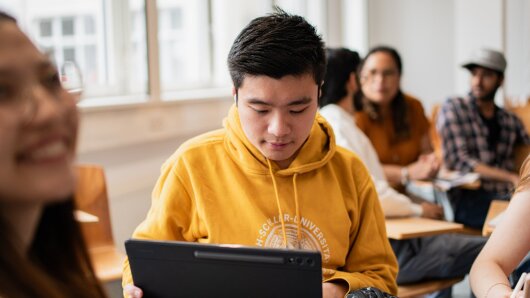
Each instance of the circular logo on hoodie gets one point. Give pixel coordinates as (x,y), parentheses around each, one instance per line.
(311,237)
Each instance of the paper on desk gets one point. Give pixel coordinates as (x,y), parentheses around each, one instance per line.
(447,180)
(496,220)
(82,216)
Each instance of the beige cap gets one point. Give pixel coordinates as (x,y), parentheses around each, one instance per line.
(486,58)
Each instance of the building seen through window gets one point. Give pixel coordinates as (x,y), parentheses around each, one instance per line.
(94,34)
(107,40)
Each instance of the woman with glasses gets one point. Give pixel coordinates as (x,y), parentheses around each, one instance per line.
(42,253)
(394,122)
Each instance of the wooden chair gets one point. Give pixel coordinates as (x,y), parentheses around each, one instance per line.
(91,197)
(521,152)
(523,112)
(423,288)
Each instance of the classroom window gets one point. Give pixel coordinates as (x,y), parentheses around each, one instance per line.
(107,39)
(67,25)
(184,45)
(45,28)
(90,25)
(98,35)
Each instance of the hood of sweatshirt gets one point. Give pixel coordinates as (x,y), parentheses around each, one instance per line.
(317,150)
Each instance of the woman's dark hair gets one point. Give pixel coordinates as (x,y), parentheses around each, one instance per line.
(388,50)
(398,105)
(277,45)
(341,64)
(56,264)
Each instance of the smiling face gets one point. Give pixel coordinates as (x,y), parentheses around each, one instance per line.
(277,114)
(380,78)
(38,124)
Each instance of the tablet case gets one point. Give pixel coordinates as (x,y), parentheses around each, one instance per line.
(187,269)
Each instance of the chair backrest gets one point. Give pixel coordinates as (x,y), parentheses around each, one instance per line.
(436,141)
(522,111)
(91,197)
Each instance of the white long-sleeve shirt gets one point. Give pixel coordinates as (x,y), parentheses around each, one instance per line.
(349,136)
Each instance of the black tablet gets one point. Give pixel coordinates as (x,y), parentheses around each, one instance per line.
(187,269)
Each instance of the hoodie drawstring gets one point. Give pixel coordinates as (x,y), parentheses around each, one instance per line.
(299,220)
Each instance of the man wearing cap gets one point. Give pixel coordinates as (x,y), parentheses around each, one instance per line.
(479,136)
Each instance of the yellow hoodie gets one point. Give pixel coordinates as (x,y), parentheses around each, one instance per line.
(218,188)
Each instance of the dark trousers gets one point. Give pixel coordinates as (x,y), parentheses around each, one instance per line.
(471,206)
(524,266)
(436,257)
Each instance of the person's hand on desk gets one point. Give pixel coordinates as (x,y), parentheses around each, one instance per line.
(130,291)
(425,168)
(334,290)
(432,211)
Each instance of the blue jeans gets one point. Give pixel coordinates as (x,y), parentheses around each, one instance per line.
(471,206)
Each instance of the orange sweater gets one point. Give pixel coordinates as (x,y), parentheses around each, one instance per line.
(381,134)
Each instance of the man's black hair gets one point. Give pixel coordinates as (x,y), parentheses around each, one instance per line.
(277,45)
(341,64)
(6,17)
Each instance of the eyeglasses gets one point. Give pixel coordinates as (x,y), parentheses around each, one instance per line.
(385,74)
(72,79)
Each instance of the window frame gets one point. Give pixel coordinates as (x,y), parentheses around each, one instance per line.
(155,95)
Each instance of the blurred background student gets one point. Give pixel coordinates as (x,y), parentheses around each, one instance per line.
(507,246)
(442,256)
(394,122)
(42,253)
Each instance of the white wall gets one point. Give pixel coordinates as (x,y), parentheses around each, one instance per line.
(422,32)
(478,24)
(517,42)
(434,37)
(354,21)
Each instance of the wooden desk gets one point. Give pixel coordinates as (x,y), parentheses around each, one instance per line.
(107,262)
(496,207)
(414,227)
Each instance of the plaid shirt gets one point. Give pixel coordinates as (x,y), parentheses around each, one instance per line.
(465,140)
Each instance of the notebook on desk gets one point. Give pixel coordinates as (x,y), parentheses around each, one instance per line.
(494,222)
(449,179)
(185,269)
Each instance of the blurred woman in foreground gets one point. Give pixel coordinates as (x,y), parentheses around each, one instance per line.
(42,253)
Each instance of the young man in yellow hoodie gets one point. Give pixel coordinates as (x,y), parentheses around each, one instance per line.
(273,176)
